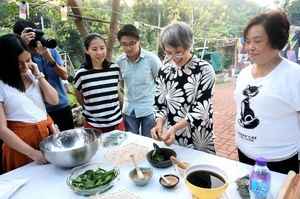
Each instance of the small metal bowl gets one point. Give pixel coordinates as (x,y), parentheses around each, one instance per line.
(70,148)
(167,153)
(141,182)
(173,179)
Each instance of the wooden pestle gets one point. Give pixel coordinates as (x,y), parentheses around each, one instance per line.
(166,180)
(139,173)
(178,163)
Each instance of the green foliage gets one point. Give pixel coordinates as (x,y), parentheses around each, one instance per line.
(72,96)
(65,32)
(208,18)
(293,6)
(8,13)
(4,31)
(293,9)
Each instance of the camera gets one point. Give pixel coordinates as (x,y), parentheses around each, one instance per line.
(48,43)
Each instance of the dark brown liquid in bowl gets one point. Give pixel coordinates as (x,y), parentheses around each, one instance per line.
(205,179)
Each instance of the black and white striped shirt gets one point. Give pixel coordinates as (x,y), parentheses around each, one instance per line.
(99,89)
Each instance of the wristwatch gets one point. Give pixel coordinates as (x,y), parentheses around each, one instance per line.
(39,76)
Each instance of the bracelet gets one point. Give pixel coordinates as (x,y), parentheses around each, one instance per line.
(39,76)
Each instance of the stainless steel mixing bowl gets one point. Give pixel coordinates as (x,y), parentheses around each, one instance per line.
(70,148)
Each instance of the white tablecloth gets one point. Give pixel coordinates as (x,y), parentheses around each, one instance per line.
(49,182)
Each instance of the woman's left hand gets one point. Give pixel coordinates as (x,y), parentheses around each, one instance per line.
(168,135)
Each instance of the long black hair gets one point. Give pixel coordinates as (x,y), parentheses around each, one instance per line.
(88,61)
(11,46)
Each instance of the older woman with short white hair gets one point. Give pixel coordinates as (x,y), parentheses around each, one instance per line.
(183,100)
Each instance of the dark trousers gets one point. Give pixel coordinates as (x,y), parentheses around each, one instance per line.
(63,118)
(283,166)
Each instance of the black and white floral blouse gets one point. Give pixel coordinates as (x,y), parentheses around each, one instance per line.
(186,93)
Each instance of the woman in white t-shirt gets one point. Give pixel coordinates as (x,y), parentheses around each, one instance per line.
(268,97)
(23,118)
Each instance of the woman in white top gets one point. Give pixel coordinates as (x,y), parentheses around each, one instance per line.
(23,118)
(268,97)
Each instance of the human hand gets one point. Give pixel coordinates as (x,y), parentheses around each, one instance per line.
(38,157)
(34,69)
(26,36)
(40,49)
(168,136)
(45,52)
(54,129)
(156,131)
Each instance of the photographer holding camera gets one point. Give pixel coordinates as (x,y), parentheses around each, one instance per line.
(50,63)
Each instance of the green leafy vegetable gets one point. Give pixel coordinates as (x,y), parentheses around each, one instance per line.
(158,157)
(94,178)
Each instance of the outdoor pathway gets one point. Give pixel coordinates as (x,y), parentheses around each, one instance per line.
(224,114)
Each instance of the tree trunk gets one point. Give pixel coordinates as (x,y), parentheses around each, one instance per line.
(75,6)
(113,27)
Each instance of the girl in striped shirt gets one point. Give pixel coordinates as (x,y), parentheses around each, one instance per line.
(97,84)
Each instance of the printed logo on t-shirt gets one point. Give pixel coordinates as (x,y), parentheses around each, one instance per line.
(247,137)
(248,119)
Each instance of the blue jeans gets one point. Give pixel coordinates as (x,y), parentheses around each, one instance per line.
(144,124)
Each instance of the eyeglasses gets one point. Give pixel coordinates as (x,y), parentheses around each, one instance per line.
(170,56)
(128,44)
(176,55)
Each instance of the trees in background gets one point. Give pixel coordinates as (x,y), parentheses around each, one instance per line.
(293,9)
(209,19)
(113,27)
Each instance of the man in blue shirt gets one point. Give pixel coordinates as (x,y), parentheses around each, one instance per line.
(51,65)
(139,69)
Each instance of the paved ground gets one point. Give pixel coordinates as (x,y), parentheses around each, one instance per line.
(224,114)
